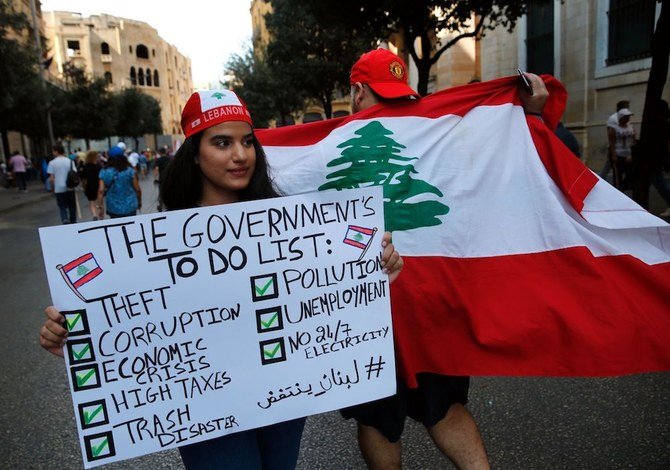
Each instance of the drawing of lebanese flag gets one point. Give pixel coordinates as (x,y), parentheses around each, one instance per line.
(518,260)
(360,237)
(82,270)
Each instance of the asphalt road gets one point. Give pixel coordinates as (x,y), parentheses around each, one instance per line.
(527,423)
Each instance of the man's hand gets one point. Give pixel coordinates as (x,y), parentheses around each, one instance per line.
(534,103)
(391,260)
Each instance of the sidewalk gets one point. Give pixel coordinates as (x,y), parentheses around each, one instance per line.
(11,198)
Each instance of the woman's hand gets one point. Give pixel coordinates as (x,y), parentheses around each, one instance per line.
(391,259)
(52,334)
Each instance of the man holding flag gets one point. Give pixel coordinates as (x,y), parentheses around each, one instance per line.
(438,402)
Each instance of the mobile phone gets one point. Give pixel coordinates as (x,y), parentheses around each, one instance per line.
(526,83)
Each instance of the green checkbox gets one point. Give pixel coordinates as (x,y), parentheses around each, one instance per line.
(270,351)
(81,351)
(84,376)
(261,288)
(91,413)
(99,446)
(72,321)
(264,287)
(270,322)
(76,322)
(103,444)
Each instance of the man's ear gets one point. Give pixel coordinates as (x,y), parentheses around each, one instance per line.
(359,93)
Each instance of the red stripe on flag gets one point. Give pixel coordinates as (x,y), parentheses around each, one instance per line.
(455,101)
(557,313)
(367,231)
(90,275)
(351,242)
(73,264)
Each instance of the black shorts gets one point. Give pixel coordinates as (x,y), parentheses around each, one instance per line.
(427,404)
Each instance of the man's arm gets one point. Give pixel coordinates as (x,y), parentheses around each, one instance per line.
(534,104)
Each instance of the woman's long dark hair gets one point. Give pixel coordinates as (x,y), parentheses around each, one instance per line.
(181,184)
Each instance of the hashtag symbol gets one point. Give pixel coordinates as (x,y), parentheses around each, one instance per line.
(374,367)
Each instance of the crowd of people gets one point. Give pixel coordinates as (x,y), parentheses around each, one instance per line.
(109,179)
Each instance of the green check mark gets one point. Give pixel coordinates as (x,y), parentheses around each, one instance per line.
(271,354)
(82,379)
(82,352)
(88,417)
(72,322)
(264,289)
(95,450)
(270,322)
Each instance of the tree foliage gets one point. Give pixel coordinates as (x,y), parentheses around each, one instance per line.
(85,109)
(137,114)
(422,21)
(268,95)
(315,55)
(22,98)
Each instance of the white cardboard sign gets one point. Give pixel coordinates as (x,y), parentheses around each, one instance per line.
(189,325)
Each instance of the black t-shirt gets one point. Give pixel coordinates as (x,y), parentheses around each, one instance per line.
(162,163)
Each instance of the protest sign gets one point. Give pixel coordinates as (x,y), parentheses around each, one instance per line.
(193,324)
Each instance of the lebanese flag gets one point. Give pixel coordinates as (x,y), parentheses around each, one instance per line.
(519,260)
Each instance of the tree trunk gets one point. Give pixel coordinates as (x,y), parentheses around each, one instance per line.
(660,52)
(137,144)
(327,103)
(5,144)
(88,144)
(422,62)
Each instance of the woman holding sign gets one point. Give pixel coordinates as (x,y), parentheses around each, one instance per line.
(222,162)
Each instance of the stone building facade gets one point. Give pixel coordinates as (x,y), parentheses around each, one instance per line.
(127,53)
(600,51)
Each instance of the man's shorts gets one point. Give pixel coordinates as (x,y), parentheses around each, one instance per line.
(427,404)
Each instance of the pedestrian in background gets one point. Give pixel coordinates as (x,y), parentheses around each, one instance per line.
(621,140)
(57,170)
(18,165)
(612,121)
(119,188)
(90,176)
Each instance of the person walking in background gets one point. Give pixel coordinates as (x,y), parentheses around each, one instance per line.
(57,170)
(18,165)
(612,120)
(621,139)
(90,177)
(119,188)
(159,170)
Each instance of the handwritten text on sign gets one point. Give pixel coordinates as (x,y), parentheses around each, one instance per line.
(189,325)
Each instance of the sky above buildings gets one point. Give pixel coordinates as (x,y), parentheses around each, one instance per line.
(207,31)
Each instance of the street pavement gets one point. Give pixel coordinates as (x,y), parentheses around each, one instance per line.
(527,423)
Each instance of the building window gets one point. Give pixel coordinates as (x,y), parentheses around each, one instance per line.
(108,78)
(540,37)
(141,51)
(341,113)
(631,26)
(130,49)
(133,76)
(156,83)
(73,48)
(153,52)
(311,117)
(104,48)
(140,77)
(148,77)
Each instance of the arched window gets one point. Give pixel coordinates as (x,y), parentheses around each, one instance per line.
(140,77)
(156,83)
(311,117)
(148,75)
(141,51)
(133,76)
(104,48)
(108,78)
(341,113)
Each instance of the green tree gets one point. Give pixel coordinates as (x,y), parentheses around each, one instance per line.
(137,114)
(314,55)
(424,20)
(85,109)
(22,98)
(373,158)
(268,95)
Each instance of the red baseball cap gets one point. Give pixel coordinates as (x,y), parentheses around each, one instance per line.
(384,72)
(208,108)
